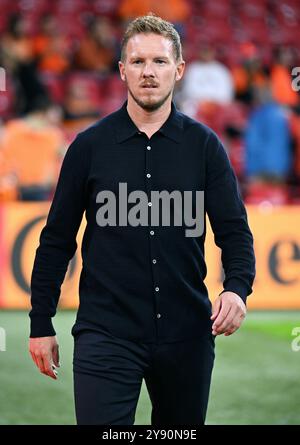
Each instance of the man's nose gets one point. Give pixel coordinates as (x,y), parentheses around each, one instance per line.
(148,70)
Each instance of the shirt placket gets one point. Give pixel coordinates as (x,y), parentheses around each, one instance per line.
(152,234)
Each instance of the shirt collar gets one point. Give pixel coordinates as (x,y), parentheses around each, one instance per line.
(171,128)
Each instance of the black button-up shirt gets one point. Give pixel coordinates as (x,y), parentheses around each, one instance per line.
(142,283)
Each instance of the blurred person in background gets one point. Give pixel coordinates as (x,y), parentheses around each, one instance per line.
(143,313)
(206,81)
(250,73)
(51,48)
(281,77)
(268,150)
(268,140)
(16,43)
(31,151)
(8,183)
(81,105)
(97,51)
(294,122)
(17,57)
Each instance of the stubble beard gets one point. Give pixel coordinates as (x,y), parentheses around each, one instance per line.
(149,106)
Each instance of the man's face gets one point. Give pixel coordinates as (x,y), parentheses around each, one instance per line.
(150,70)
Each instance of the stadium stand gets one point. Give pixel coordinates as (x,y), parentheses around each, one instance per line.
(66,51)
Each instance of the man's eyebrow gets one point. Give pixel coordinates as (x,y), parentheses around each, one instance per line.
(141,57)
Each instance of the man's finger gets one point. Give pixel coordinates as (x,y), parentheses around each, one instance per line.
(55,355)
(229,332)
(34,358)
(48,370)
(40,363)
(216,308)
(231,329)
(235,324)
(228,321)
(221,317)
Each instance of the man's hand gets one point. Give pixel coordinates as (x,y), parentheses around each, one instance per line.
(44,353)
(229,311)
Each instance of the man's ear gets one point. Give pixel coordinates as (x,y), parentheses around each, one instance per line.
(180,70)
(122,70)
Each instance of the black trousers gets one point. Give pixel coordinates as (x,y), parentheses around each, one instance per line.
(108,374)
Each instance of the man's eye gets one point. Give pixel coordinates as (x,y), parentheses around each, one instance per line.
(160,61)
(136,61)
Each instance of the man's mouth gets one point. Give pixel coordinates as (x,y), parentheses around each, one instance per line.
(149,86)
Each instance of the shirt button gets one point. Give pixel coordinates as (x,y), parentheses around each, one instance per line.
(157,289)
(154,261)
(148,147)
(151,232)
(148,175)
(158,315)
(149,204)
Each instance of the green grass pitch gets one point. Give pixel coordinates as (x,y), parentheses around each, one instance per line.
(256,377)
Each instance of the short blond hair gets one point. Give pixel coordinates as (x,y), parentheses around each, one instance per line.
(151,23)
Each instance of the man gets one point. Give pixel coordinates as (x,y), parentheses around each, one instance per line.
(144,309)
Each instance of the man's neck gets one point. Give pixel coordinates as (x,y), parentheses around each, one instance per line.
(148,121)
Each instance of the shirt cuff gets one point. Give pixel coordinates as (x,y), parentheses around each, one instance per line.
(238,287)
(41,326)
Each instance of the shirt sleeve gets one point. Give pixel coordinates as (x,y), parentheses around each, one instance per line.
(57,242)
(228,219)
